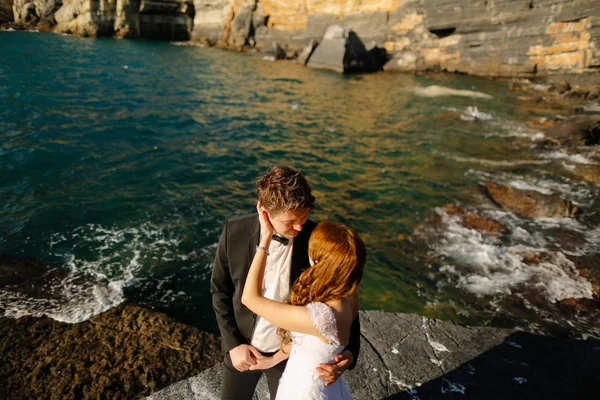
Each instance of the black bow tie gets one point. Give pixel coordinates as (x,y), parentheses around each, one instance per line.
(282,240)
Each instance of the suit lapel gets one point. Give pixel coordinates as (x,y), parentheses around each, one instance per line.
(299,257)
(253,240)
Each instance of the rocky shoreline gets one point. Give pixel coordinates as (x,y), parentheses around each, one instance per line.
(499,38)
(129,351)
(125,353)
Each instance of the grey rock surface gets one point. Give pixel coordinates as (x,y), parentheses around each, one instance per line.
(341,50)
(406,356)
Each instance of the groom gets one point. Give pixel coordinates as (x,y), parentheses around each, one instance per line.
(246,337)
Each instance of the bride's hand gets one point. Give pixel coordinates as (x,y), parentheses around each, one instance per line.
(266,228)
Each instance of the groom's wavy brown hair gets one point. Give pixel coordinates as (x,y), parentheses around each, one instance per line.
(284,189)
(339,255)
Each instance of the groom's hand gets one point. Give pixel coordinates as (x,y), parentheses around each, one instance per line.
(244,356)
(331,372)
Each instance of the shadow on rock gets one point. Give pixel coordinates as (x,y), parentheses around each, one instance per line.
(524,366)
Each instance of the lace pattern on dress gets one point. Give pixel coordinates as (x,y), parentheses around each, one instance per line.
(323,319)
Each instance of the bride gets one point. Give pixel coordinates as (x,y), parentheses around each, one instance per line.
(314,323)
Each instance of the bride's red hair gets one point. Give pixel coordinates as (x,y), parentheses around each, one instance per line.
(339,257)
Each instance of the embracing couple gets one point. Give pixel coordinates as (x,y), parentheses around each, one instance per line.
(284,290)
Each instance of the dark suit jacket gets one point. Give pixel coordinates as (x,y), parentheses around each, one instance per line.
(235,253)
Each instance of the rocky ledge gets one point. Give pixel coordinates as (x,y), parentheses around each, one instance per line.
(411,357)
(125,353)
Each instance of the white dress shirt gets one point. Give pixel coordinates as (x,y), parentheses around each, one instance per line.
(276,286)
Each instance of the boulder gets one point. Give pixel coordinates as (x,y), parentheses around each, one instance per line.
(473,221)
(588,172)
(561,87)
(529,203)
(580,130)
(341,50)
(276,51)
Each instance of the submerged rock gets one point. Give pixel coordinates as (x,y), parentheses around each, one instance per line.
(580,130)
(588,172)
(474,221)
(529,203)
(441,91)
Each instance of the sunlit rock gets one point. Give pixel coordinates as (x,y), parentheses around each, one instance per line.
(529,203)
(474,221)
(341,50)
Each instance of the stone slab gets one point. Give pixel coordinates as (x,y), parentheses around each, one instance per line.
(405,356)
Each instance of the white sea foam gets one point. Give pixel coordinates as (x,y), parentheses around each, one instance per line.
(471,113)
(440,91)
(493,163)
(580,158)
(95,283)
(539,87)
(449,386)
(191,44)
(487,267)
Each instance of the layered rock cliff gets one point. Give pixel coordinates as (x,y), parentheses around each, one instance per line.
(486,37)
(151,19)
(6,13)
(483,37)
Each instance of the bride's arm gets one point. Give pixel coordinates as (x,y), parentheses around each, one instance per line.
(286,316)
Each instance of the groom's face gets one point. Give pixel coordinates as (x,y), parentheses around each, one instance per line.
(289,223)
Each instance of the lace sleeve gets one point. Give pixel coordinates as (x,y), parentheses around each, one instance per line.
(323,319)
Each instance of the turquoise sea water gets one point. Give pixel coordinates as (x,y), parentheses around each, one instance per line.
(122,159)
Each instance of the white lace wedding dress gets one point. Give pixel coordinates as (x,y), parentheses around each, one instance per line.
(300,379)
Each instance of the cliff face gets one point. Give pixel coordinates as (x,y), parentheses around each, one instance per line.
(152,19)
(6,13)
(484,37)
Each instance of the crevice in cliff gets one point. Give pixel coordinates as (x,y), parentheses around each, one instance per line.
(443,32)
(573,20)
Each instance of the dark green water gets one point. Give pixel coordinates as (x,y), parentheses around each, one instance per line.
(121,160)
